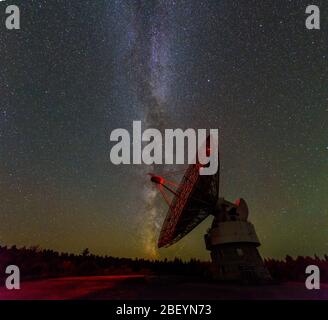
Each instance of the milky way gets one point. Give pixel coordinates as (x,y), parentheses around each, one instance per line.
(79,69)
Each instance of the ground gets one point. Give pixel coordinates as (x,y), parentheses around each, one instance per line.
(154,287)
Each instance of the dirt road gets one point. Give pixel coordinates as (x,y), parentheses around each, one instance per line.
(146,287)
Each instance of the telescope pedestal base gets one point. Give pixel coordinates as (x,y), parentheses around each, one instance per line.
(233,246)
(238,263)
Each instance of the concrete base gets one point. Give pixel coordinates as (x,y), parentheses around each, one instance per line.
(238,262)
(233,246)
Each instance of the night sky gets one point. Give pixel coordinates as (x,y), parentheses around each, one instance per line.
(79,69)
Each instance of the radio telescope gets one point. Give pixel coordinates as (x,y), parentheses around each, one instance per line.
(231,239)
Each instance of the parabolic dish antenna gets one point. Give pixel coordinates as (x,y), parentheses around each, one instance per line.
(194,200)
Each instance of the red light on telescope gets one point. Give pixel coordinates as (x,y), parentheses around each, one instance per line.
(157,179)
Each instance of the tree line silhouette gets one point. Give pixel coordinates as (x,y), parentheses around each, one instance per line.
(36,263)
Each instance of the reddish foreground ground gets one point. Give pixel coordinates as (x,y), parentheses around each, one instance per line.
(146,287)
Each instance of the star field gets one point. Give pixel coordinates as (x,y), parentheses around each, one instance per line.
(79,69)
